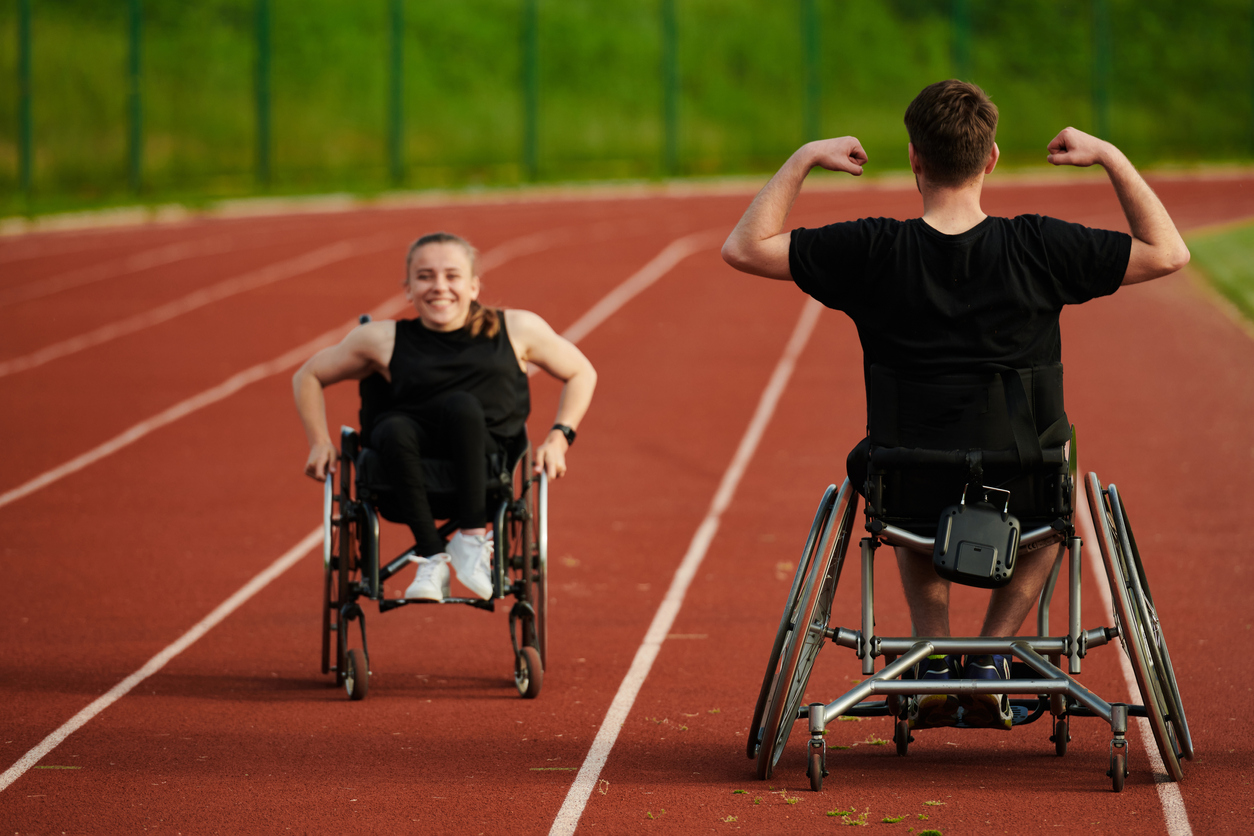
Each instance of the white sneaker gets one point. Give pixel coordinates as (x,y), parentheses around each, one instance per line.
(431,582)
(472,559)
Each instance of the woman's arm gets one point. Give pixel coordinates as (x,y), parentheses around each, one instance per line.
(366,349)
(535,342)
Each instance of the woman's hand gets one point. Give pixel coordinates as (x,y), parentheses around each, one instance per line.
(551,455)
(321,461)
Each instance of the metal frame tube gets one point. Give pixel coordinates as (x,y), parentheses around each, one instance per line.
(1075,631)
(868,605)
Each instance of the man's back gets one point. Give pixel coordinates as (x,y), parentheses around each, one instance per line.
(929,303)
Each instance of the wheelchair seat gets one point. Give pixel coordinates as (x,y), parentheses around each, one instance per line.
(930,437)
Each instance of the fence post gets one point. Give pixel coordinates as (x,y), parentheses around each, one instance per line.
(813,92)
(396,113)
(1101,68)
(25,145)
(960,21)
(670,89)
(135,144)
(530,88)
(263,91)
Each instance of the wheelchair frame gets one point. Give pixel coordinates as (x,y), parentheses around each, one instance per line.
(804,628)
(353,570)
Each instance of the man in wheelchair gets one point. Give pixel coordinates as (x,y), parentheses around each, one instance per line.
(449,385)
(958,316)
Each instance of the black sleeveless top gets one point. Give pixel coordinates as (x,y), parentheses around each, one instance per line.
(426,365)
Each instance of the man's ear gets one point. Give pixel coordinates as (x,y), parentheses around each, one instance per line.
(916,165)
(992,160)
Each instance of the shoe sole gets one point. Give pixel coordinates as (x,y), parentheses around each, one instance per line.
(935,711)
(985,711)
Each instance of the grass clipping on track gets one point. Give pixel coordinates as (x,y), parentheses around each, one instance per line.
(1226,258)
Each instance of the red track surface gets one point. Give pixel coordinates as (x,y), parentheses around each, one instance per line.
(241,734)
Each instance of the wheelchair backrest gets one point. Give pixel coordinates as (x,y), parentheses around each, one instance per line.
(929,436)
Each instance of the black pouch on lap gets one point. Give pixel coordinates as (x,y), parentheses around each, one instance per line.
(976,544)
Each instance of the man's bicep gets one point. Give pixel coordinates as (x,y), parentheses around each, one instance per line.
(766,257)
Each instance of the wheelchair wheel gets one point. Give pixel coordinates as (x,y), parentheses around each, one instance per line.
(902,738)
(536,557)
(356,675)
(817,528)
(1061,736)
(328,549)
(803,626)
(1139,629)
(528,673)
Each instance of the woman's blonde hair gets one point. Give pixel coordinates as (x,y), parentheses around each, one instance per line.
(482,320)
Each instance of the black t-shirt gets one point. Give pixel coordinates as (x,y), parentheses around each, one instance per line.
(929,303)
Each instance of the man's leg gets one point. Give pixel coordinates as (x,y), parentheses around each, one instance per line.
(1010,605)
(927,593)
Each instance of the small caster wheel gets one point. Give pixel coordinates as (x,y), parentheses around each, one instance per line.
(902,737)
(1118,764)
(528,673)
(1061,736)
(817,767)
(356,675)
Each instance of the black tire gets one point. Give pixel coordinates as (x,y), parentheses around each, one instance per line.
(341,649)
(804,625)
(1139,629)
(356,675)
(821,517)
(901,736)
(1061,736)
(329,532)
(815,770)
(1118,767)
(528,673)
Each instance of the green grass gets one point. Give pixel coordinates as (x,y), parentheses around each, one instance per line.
(1226,258)
(1180,89)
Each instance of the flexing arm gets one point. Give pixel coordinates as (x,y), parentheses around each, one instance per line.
(535,342)
(365,350)
(1157,248)
(759,243)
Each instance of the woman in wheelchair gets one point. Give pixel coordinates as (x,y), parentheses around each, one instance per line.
(450,384)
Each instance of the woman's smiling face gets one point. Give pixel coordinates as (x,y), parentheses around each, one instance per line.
(441,285)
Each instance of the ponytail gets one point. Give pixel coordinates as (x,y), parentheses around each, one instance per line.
(483,321)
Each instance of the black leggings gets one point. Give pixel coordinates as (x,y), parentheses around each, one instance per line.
(450,429)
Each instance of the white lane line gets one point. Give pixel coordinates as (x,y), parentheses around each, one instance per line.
(100,271)
(159,661)
(577,798)
(661,264)
(280,270)
(1174,812)
(524,245)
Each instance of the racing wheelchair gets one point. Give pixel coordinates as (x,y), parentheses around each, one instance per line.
(1004,429)
(353,569)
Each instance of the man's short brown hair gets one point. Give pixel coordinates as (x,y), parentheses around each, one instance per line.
(952,125)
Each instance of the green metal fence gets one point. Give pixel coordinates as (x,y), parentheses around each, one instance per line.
(221,97)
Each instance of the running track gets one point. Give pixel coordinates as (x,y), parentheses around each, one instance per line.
(112,562)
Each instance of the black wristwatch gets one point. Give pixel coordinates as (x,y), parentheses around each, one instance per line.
(566,431)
